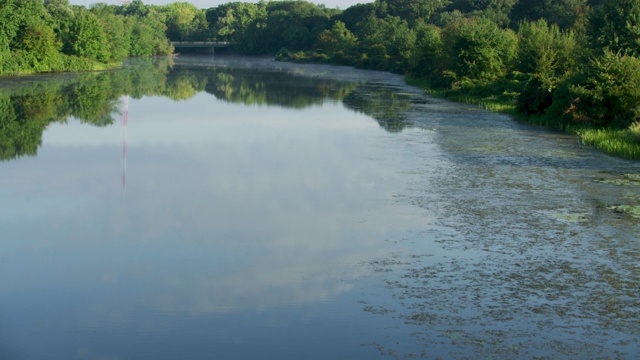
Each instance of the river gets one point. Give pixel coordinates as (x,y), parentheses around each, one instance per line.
(238,208)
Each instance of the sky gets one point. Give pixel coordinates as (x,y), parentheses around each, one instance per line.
(205,4)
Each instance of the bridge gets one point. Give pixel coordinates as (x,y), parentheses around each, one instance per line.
(207,47)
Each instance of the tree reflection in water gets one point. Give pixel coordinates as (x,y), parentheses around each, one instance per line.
(28,106)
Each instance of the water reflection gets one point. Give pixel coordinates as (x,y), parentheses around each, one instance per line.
(28,106)
(383,103)
(244,224)
(277,220)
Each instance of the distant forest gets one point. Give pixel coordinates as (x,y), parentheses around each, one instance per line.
(573,61)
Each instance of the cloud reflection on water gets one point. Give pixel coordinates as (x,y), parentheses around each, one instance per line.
(237,222)
(265,219)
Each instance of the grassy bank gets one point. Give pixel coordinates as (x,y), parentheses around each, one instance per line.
(88,66)
(620,143)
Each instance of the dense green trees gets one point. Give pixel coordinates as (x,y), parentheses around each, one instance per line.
(338,43)
(243,24)
(564,13)
(546,54)
(572,60)
(615,26)
(540,54)
(118,32)
(604,92)
(386,43)
(479,51)
(294,25)
(185,22)
(51,35)
(409,10)
(87,37)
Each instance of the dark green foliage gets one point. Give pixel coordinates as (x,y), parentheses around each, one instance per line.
(478,51)
(467,6)
(615,25)
(605,92)
(428,55)
(386,44)
(185,22)
(564,13)
(268,27)
(135,8)
(536,48)
(355,14)
(294,25)
(87,37)
(495,10)
(51,35)
(118,32)
(26,40)
(60,17)
(38,48)
(536,96)
(547,55)
(338,43)
(142,38)
(148,36)
(244,24)
(409,10)
(464,46)
(545,50)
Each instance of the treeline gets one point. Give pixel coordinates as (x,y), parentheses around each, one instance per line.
(51,35)
(567,63)
(571,62)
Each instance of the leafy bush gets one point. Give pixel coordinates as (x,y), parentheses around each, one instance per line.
(536,96)
(543,49)
(477,50)
(338,42)
(429,52)
(606,92)
(614,25)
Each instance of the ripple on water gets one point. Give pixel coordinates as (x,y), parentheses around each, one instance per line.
(528,256)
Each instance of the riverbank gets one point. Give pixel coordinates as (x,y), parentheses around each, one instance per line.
(619,143)
(623,143)
(84,66)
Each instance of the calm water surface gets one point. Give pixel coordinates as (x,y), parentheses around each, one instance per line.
(229,208)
